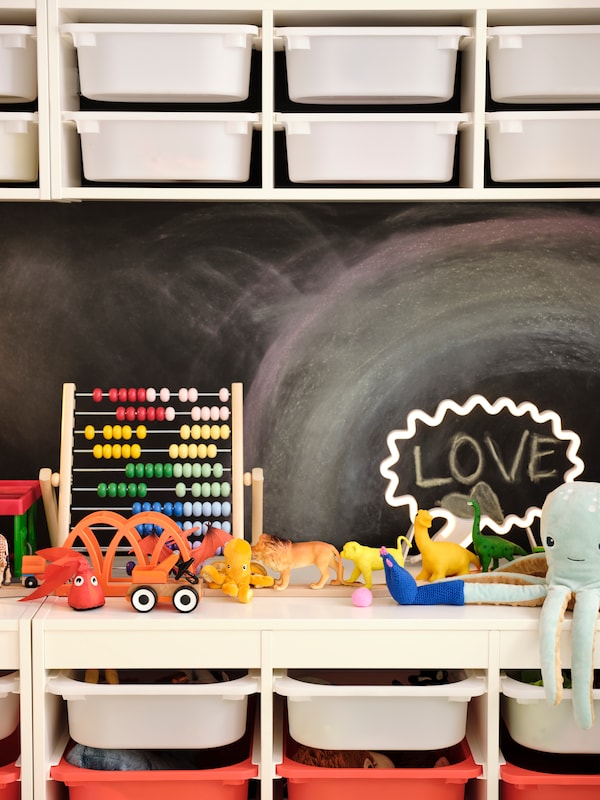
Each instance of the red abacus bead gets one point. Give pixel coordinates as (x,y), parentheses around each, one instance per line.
(113,395)
(141,395)
(130,414)
(132,395)
(160,414)
(120,414)
(141,413)
(97,395)
(123,395)
(151,414)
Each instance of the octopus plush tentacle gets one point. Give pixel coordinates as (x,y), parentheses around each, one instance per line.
(551,620)
(582,669)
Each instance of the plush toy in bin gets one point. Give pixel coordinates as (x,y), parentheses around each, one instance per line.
(566,575)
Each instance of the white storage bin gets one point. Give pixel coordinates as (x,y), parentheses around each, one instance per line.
(371,148)
(533,723)
(155,716)
(18,64)
(19,152)
(544,146)
(163,63)
(363,709)
(371,65)
(9,703)
(544,63)
(155,147)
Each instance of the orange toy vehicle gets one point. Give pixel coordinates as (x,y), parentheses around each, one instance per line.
(150,583)
(32,571)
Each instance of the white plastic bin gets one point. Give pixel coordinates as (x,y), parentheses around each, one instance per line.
(544,146)
(371,148)
(355,710)
(544,63)
(154,147)
(533,723)
(371,65)
(9,704)
(18,64)
(19,151)
(163,63)
(157,716)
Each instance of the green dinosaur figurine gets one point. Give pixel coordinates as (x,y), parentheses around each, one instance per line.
(491,549)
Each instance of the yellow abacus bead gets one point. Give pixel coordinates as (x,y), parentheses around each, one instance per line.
(127,432)
(97,451)
(173,451)
(211,451)
(225,431)
(107,431)
(89,432)
(185,431)
(141,431)
(126,451)
(215,431)
(192,451)
(136,451)
(183,451)
(116,451)
(107,451)
(117,432)
(206,431)
(202,450)
(195,431)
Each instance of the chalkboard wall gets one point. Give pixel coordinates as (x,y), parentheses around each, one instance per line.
(338,319)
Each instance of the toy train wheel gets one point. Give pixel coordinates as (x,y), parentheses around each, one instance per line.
(185,599)
(30,582)
(144,598)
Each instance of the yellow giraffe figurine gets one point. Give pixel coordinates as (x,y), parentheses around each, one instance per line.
(440,559)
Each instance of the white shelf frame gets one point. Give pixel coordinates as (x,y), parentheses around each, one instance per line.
(60,161)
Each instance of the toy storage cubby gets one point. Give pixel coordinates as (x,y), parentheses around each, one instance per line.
(61,175)
(16,732)
(274,635)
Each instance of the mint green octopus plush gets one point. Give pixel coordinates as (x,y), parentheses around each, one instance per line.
(570,578)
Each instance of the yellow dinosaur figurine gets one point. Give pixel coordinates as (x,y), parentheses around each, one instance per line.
(234,575)
(440,559)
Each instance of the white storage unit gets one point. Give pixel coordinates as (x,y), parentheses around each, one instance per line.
(383,66)
(18,64)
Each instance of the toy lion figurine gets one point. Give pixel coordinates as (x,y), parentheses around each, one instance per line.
(283,555)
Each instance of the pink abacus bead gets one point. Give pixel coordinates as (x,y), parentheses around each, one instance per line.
(120,413)
(113,395)
(97,395)
(183,395)
(224,413)
(214,413)
(170,414)
(193,395)
(195,413)
(165,395)
(122,395)
(205,413)
(132,395)
(151,395)
(224,395)
(141,395)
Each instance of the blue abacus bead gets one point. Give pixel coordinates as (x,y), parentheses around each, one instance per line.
(225,526)
(148,528)
(187,509)
(217,508)
(146,506)
(178,509)
(157,507)
(136,508)
(197,509)
(168,508)
(226,509)
(207,508)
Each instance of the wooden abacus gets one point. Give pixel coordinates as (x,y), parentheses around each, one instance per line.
(179,452)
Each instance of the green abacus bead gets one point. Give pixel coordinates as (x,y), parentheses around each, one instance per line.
(206,470)
(196,489)
(132,490)
(142,490)
(215,489)
(158,470)
(168,470)
(180,490)
(102,490)
(130,470)
(112,489)
(177,470)
(206,490)
(122,490)
(148,470)
(225,489)
(217,470)
(139,470)
(197,470)
(187,470)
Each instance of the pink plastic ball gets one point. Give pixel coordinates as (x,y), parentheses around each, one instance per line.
(362,597)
